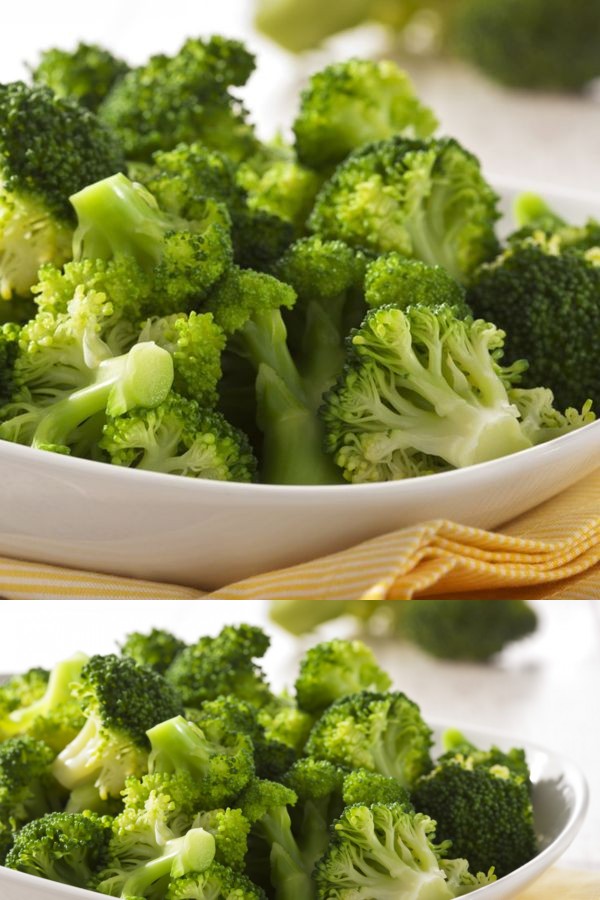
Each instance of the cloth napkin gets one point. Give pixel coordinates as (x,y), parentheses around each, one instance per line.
(551,552)
(563,884)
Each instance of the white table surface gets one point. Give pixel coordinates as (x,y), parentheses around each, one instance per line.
(544,689)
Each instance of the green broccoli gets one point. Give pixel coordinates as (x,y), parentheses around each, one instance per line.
(10,333)
(366,787)
(381,732)
(64,847)
(49,149)
(230,829)
(183,258)
(482,804)
(284,722)
(318,787)
(465,629)
(217,882)
(394,280)
(333,669)
(183,98)
(545,294)
(299,26)
(355,102)
(85,74)
(121,701)
(384,852)
(530,43)
(424,199)
(424,390)
(156,648)
(21,690)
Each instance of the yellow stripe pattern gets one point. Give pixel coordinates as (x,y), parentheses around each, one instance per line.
(552,551)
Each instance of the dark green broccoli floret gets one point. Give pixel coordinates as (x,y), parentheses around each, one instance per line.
(248,307)
(217,882)
(183,98)
(424,199)
(65,847)
(156,648)
(183,258)
(383,851)
(334,669)
(355,102)
(85,74)
(546,296)
(465,629)
(381,732)
(394,280)
(530,43)
(482,804)
(220,665)
(121,701)
(424,390)
(221,763)
(49,149)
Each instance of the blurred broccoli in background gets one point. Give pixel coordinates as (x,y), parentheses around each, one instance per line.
(449,629)
(539,44)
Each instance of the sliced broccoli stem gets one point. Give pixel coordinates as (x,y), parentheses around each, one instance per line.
(81,760)
(293,437)
(264,341)
(142,377)
(193,852)
(178,745)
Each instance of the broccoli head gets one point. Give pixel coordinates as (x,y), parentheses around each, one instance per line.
(85,74)
(156,648)
(394,280)
(334,669)
(28,789)
(217,882)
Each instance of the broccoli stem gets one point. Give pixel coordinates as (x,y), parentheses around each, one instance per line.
(193,852)
(81,760)
(264,341)
(293,438)
(142,377)
(178,745)
(323,351)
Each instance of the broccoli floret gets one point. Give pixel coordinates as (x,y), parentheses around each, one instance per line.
(49,149)
(381,732)
(465,629)
(394,280)
(530,43)
(230,829)
(386,852)
(221,763)
(482,804)
(363,786)
(248,306)
(22,690)
(156,648)
(73,422)
(424,390)
(183,258)
(546,295)
(121,701)
(220,665)
(265,805)
(28,789)
(327,277)
(217,882)
(355,102)
(85,74)
(149,878)
(285,723)
(183,98)
(9,347)
(65,847)
(55,716)
(424,199)
(334,669)
(318,786)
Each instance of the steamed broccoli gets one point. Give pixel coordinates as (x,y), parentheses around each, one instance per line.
(334,669)
(382,851)
(183,98)
(156,648)
(366,787)
(121,701)
(318,786)
(217,882)
(49,149)
(481,802)
(355,102)
(230,829)
(545,44)
(424,390)
(393,280)
(65,847)
(85,74)
(424,199)
(545,294)
(381,732)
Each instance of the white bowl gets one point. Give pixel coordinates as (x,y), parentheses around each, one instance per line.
(560,798)
(205,533)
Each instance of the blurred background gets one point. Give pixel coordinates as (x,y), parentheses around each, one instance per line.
(548,132)
(542,688)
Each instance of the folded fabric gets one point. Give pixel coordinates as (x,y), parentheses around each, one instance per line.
(564,884)
(553,551)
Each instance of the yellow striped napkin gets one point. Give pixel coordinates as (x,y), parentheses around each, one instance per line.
(562,884)
(552,551)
